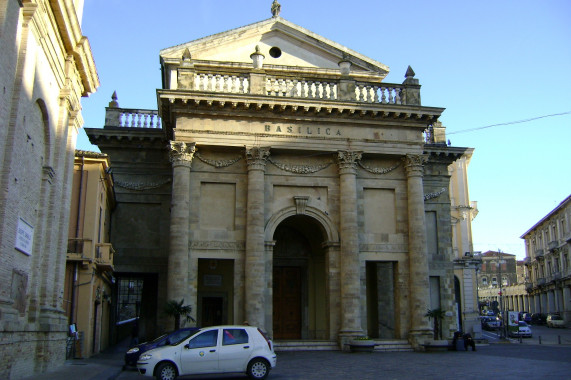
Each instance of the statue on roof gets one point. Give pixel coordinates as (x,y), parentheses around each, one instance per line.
(276,8)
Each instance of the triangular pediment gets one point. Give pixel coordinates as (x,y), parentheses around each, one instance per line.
(282,43)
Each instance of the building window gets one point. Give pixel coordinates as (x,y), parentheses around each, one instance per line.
(505,281)
(494,281)
(484,281)
(129,299)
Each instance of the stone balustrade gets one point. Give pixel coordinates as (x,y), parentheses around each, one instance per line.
(224,83)
(132,118)
(375,93)
(307,89)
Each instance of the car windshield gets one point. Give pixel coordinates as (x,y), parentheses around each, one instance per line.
(555,318)
(522,323)
(187,334)
(158,339)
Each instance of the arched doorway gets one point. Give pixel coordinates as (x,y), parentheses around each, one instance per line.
(299,280)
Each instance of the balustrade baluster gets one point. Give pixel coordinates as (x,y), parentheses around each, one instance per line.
(391,99)
(383,96)
(397,96)
(295,91)
(375,94)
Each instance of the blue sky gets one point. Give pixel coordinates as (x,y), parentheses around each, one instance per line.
(486,62)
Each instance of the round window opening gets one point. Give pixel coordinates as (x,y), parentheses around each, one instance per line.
(275,52)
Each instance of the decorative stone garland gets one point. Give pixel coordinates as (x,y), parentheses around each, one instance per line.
(300,169)
(217,163)
(140,186)
(434,195)
(378,170)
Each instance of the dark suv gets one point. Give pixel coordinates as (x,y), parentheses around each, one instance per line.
(132,355)
(538,319)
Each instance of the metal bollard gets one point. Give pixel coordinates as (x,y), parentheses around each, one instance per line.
(540,339)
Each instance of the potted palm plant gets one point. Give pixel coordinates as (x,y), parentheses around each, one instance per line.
(362,344)
(438,315)
(178,310)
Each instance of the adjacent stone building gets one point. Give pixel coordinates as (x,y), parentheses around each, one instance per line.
(89,278)
(46,66)
(282,182)
(548,262)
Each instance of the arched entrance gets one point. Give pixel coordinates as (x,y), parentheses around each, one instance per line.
(299,280)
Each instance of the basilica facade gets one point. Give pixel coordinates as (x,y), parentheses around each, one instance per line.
(284,184)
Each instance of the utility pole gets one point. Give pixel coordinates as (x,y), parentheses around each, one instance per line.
(501,294)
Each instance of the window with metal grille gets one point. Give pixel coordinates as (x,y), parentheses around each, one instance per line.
(129,299)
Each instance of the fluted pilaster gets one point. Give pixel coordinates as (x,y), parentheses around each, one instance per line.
(418,257)
(255,258)
(349,255)
(178,286)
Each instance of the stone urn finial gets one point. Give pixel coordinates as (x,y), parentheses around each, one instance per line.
(257,58)
(113,103)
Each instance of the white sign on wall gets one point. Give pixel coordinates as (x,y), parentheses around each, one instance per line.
(24,237)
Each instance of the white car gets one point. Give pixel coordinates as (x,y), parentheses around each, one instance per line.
(212,350)
(555,320)
(523,330)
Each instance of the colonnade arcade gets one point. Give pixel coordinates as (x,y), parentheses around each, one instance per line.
(327,312)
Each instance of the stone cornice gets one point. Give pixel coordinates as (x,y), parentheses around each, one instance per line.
(197,102)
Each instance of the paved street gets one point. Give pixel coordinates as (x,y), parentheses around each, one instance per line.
(505,359)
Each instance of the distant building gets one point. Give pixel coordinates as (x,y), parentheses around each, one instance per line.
(46,66)
(548,255)
(89,284)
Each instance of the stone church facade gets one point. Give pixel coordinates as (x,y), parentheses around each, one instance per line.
(283,183)
(46,67)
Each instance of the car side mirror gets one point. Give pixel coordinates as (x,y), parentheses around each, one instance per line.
(187,346)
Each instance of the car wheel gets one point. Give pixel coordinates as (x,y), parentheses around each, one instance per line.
(258,369)
(166,371)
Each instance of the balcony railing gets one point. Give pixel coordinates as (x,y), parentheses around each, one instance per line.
(132,118)
(539,254)
(541,281)
(104,256)
(552,245)
(78,250)
(82,250)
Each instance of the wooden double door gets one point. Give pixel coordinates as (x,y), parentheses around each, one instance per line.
(287,302)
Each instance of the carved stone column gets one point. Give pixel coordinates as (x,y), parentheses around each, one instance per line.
(349,255)
(255,261)
(418,261)
(178,286)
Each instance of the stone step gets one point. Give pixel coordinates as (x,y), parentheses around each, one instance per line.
(305,345)
(395,345)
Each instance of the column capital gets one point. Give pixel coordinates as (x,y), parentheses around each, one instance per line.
(181,153)
(414,163)
(347,161)
(256,157)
